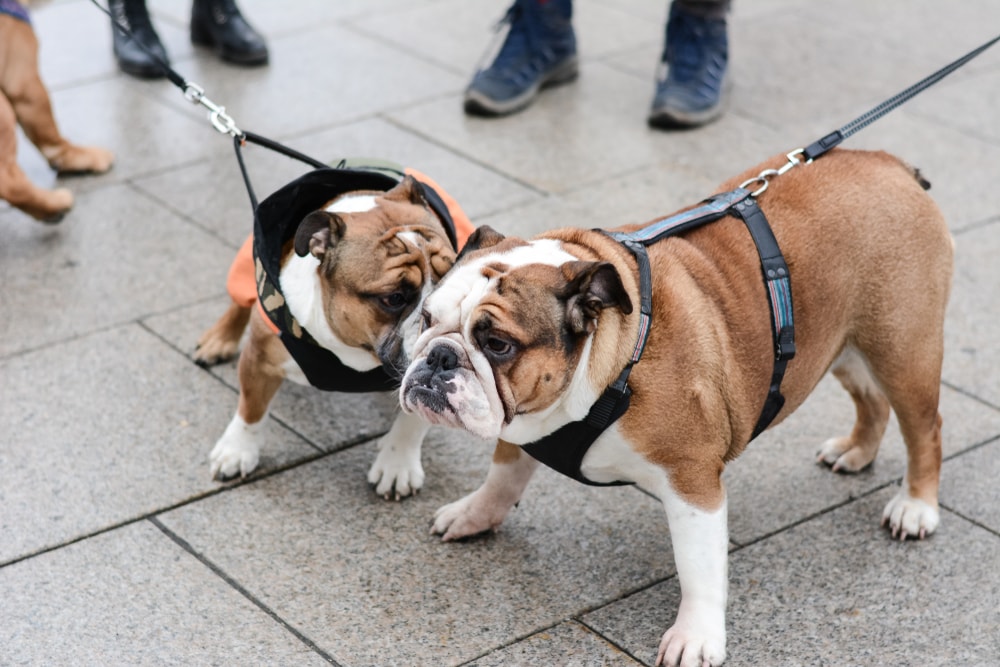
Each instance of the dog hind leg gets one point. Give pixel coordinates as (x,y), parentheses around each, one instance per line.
(33,109)
(855,452)
(15,187)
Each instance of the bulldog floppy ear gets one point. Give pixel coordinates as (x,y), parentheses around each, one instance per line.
(317,233)
(483,237)
(408,190)
(591,287)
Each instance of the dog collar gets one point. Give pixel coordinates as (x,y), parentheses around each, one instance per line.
(275,222)
(564,449)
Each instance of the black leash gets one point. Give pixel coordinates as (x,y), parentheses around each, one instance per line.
(217,115)
(817,148)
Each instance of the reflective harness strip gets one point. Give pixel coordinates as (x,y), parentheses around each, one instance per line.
(564,449)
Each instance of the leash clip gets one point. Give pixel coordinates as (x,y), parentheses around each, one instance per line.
(764,177)
(220,120)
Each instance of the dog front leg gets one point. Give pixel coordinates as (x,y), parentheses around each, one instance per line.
(261,374)
(486,507)
(700,540)
(397,472)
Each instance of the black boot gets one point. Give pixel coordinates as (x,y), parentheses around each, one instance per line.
(220,25)
(132,59)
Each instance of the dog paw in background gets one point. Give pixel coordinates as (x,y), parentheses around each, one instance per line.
(25,102)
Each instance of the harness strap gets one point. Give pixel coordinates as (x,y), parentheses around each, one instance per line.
(779,298)
(564,449)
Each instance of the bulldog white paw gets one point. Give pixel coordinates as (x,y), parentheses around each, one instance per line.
(910,517)
(686,644)
(237,451)
(396,473)
(471,515)
(842,455)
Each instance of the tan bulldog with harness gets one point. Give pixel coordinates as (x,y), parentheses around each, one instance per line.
(671,356)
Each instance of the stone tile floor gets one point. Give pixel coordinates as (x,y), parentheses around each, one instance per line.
(116,546)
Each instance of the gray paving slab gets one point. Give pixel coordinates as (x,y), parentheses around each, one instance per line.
(777,481)
(364,580)
(75,42)
(639,196)
(839,591)
(105,420)
(962,489)
(581,133)
(105,264)
(972,358)
(328,420)
(104,429)
(567,644)
(134,597)
(124,116)
(354,76)
(275,19)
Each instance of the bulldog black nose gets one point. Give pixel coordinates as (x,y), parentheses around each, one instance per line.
(442,358)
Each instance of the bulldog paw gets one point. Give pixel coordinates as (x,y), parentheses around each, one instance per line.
(221,341)
(236,452)
(396,472)
(72,159)
(844,455)
(685,645)
(910,517)
(471,515)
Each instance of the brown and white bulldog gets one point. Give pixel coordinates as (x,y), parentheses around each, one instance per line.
(25,102)
(521,337)
(352,274)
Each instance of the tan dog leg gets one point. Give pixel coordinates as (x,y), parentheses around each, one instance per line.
(914,394)
(486,507)
(15,188)
(221,341)
(858,450)
(27,94)
(261,372)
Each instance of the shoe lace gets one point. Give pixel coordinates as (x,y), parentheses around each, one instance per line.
(511,41)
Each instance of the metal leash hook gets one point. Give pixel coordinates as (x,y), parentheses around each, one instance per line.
(221,121)
(764,177)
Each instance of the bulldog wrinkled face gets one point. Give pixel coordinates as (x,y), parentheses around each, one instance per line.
(364,264)
(503,334)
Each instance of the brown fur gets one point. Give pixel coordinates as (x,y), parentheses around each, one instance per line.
(364,262)
(25,102)
(871,260)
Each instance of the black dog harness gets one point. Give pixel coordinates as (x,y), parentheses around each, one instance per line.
(276,220)
(564,449)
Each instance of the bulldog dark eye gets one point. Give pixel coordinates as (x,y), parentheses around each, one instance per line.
(497,346)
(425,320)
(394,301)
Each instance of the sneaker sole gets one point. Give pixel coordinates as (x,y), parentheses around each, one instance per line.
(673,119)
(478,104)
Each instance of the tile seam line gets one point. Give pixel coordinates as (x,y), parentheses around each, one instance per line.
(223,488)
(969,394)
(523,637)
(387,117)
(239,588)
(348,443)
(992,531)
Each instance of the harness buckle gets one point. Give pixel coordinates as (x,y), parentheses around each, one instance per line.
(765,176)
(217,115)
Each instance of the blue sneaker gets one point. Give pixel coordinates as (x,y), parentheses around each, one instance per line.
(538,51)
(691,86)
